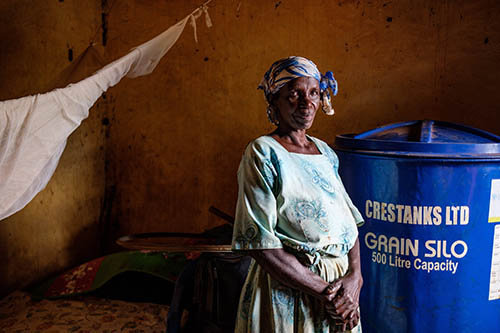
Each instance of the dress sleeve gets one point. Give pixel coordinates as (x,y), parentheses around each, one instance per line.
(354,210)
(335,162)
(256,212)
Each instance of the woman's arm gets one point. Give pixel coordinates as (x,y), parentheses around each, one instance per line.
(285,268)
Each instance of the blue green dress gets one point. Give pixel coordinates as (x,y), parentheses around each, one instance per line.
(297,202)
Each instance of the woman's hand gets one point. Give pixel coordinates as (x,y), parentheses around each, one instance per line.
(344,307)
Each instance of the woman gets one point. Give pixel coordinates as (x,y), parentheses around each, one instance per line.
(294,216)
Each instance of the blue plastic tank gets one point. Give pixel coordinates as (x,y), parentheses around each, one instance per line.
(430,248)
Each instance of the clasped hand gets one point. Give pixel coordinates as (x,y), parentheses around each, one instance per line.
(343,301)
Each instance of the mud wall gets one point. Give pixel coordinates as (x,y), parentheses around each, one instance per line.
(177,135)
(159,150)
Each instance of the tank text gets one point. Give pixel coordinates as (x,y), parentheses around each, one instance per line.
(416,215)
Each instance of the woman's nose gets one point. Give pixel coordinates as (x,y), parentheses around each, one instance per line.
(305,100)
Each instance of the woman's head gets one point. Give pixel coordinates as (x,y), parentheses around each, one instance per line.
(294,106)
(290,75)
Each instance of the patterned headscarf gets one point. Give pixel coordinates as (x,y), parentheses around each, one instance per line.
(287,69)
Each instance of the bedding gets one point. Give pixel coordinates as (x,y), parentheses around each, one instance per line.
(83,313)
(122,292)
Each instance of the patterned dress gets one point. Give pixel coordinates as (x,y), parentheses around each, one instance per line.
(297,202)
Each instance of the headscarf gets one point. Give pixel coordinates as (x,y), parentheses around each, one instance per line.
(287,69)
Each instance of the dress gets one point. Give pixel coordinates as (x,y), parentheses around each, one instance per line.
(297,202)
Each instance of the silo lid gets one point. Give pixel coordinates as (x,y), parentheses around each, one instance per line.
(430,138)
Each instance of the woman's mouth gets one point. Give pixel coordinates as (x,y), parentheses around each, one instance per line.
(303,117)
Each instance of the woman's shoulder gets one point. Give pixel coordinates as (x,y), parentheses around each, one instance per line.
(264,140)
(263,145)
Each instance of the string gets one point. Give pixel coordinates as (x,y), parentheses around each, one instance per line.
(195,14)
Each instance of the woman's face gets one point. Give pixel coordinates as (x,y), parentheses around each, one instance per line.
(297,103)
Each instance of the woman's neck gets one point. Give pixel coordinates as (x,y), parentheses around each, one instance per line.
(295,141)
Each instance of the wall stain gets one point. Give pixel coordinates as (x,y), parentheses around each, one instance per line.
(104,22)
(238,10)
(486,40)
(277,4)
(106,209)
(104,25)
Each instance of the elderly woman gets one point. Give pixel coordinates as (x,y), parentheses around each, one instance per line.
(294,217)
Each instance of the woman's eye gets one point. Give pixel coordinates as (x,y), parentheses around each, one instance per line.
(314,93)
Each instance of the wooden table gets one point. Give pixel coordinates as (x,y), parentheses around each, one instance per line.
(172,242)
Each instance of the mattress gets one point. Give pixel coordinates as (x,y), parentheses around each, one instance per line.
(84,313)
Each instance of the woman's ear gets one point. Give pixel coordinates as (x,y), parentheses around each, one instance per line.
(271,115)
(273,98)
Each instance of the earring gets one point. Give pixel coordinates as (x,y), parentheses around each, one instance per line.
(271,115)
(326,105)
